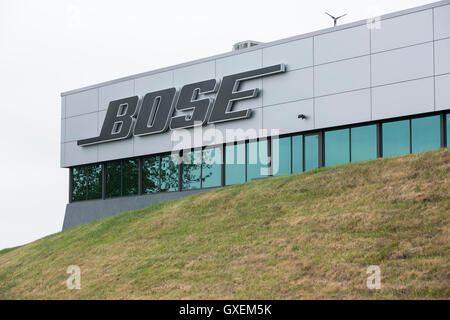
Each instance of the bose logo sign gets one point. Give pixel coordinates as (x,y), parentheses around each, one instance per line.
(124,118)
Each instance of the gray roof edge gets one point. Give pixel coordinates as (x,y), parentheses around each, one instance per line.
(258,47)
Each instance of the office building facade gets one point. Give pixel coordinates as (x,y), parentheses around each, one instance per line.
(351,93)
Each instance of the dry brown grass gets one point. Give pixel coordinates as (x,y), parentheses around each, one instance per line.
(305,236)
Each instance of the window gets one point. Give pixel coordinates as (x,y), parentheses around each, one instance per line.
(448,130)
(297,154)
(169,172)
(250,161)
(257,160)
(79,182)
(364,143)
(337,147)
(281,156)
(113,179)
(311,152)
(150,175)
(191,170)
(130,178)
(426,133)
(396,138)
(235,164)
(211,167)
(94,180)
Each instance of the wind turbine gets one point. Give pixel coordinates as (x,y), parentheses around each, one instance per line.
(334,18)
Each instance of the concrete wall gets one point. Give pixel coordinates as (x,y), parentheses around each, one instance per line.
(91,210)
(336,76)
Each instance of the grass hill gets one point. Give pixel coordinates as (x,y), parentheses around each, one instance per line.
(310,235)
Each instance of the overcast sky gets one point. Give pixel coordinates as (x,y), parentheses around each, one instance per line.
(47,47)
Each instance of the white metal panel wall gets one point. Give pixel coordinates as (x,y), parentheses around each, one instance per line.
(81,127)
(402,64)
(63,107)
(74,155)
(342,76)
(114,92)
(343,44)
(295,54)
(289,94)
(442,22)
(443,92)
(286,87)
(79,107)
(403,99)
(81,103)
(289,122)
(442,56)
(338,76)
(343,108)
(403,31)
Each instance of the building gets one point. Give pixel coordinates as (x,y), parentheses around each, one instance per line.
(350,93)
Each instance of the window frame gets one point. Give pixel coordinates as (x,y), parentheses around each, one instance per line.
(444,132)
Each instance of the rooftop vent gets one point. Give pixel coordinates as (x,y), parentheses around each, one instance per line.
(245,44)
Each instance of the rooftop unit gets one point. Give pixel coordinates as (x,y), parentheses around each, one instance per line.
(245,44)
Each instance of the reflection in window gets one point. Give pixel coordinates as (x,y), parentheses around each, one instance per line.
(94,178)
(426,133)
(191,170)
(364,143)
(337,147)
(169,172)
(211,168)
(130,178)
(79,181)
(396,138)
(257,160)
(297,154)
(281,156)
(150,175)
(113,179)
(235,164)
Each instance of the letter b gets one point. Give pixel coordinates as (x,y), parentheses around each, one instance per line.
(118,122)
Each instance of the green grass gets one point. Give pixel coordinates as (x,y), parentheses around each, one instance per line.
(4,251)
(305,236)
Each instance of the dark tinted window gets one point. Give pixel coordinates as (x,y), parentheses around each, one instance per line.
(150,174)
(113,179)
(169,172)
(79,182)
(94,181)
(130,178)
(192,161)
